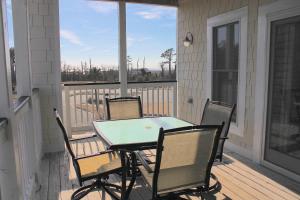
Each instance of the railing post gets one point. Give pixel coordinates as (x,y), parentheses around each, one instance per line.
(67,119)
(175,99)
(122,48)
(22,47)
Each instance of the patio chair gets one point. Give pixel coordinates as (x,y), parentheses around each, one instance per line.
(124,108)
(216,113)
(96,167)
(184,160)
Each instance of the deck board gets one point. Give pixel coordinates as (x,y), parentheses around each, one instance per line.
(240,178)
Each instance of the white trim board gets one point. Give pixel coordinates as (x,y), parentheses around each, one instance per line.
(238,149)
(267,14)
(240,15)
(281,170)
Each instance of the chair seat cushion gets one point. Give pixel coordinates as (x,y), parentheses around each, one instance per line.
(175,179)
(99,164)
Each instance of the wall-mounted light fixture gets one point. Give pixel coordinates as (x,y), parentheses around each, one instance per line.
(188,40)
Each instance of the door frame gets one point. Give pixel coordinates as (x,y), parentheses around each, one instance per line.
(266,14)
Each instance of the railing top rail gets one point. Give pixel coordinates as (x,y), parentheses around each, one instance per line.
(146,82)
(20,103)
(3,122)
(90,83)
(116,83)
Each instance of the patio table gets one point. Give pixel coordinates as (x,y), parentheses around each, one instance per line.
(134,134)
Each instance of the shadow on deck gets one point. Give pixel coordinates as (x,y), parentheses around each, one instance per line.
(240,179)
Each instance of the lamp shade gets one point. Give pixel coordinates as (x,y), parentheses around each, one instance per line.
(188,41)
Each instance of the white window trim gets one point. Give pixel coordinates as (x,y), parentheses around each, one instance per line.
(241,16)
(267,14)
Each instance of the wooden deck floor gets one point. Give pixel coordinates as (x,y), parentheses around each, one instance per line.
(240,179)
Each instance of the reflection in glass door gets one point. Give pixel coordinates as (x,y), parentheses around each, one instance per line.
(283,117)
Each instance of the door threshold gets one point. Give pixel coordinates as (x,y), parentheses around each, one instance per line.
(282,171)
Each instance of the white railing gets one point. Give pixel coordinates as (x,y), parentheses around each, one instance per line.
(83,103)
(28,143)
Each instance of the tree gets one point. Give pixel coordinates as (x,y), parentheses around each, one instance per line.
(168,56)
(13,68)
(129,63)
(137,64)
(162,69)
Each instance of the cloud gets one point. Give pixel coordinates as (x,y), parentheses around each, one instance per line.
(103,7)
(149,15)
(134,40)
(157,13)
(8,6)
(87,49)
(70,36)
(8,2)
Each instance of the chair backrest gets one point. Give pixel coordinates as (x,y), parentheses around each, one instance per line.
(64,132)
(185,157)
(124,108)
(216,113)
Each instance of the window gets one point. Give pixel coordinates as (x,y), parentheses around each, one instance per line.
(225,63)
(89,41)
(151,42)
(227,60)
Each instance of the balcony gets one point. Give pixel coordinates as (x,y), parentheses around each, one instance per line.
(240,178)
(262,152)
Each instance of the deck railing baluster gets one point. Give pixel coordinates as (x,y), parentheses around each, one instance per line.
(154,100)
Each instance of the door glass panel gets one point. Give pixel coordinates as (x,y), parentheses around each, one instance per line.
(283,127)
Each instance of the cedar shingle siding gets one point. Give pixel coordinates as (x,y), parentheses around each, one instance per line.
(192,61)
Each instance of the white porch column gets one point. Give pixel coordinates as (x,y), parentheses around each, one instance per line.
(45,67)
(122,48)
(8,177)
(22,52)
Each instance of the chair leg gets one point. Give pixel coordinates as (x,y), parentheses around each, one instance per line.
(83,191)
(110,193)
(133,178)
(216,185)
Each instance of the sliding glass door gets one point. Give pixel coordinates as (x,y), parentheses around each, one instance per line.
(283,116)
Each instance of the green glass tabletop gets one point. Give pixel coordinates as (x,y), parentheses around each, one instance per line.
(134,131)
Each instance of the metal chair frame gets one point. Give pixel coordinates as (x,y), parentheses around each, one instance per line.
(119,99)
(224,137)
(194,191)
(101,178)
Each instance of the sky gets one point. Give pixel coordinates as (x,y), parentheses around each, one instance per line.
(89,29)
(10,23)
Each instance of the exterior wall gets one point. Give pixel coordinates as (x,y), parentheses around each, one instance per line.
(192,62)
(45,66)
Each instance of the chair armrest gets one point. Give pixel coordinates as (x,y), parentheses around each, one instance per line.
(143,162)
(94,155)
(224,138)
(83,138)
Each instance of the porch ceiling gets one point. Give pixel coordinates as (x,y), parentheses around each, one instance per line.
(157,2)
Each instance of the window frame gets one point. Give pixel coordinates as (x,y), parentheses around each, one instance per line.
(241,16)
